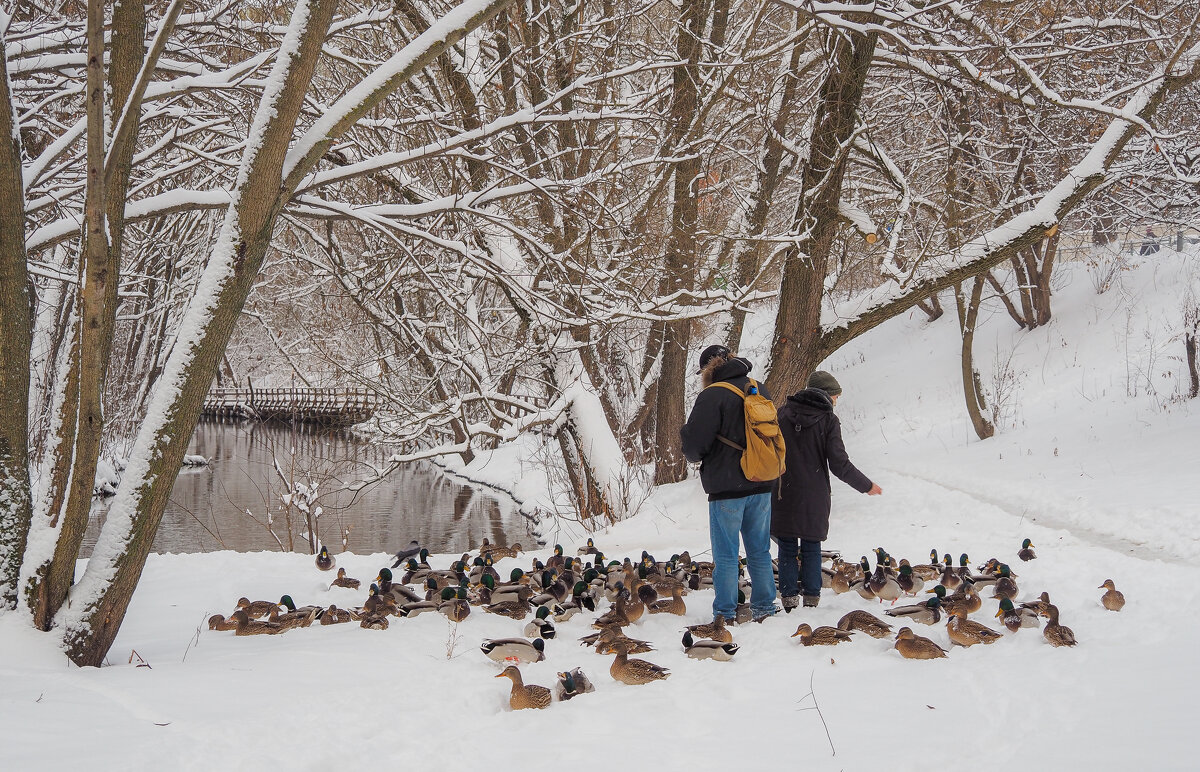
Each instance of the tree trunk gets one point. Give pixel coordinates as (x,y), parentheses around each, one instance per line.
(796,349)
(680,261)
(16,330)
(746,254)
(1189,346)
(95,279)
(267,179)
(968,316)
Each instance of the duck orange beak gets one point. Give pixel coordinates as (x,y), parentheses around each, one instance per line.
(999,613)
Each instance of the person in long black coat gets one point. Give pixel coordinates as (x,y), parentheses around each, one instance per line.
(812,435)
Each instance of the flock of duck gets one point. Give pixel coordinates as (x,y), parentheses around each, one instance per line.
(563,586)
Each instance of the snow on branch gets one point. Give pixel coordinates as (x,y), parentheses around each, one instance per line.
(356,103)
(851,318)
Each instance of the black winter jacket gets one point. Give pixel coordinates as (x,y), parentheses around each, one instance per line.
(719,411)
(812,435)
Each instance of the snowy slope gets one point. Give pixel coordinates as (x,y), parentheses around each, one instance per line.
(1118,501)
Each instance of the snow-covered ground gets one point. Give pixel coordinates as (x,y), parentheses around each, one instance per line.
(1098,471)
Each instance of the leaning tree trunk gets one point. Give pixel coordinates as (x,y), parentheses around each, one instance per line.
(968,316)
(267,178)
(16,326)
(796,349)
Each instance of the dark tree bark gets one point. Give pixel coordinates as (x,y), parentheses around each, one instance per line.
(16,325)
(796,350)
(680,259)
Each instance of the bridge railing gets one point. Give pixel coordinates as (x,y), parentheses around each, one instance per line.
(316,405)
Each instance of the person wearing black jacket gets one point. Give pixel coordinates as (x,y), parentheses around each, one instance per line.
(736,506)
(812,437)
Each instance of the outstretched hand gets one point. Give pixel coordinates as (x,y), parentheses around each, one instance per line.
(875,490)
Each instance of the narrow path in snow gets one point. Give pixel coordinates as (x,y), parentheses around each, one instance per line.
(1124,546)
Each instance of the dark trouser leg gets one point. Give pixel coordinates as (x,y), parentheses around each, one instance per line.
(789,570)
(810,567)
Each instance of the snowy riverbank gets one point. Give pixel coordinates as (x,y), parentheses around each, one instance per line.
(1098,473)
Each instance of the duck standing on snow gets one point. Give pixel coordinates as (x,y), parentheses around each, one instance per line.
(1026,552)
(523,696)
(1054,633)
(1113,600)
(325,561)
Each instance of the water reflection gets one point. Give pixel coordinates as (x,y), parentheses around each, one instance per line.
(240,501)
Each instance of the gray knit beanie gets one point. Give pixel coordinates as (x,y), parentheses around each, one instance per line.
(825,382)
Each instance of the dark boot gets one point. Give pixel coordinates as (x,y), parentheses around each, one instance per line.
(790,602)
(811,601)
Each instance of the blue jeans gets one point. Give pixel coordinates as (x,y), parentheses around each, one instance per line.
(808,572)
(749,517)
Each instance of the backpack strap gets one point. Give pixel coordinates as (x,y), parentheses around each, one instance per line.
(740,393)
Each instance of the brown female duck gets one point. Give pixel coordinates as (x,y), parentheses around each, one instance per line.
(912,646)
(1113,600)
(523,696)
(964,632)
(865,622)
(822,636)
(634,671)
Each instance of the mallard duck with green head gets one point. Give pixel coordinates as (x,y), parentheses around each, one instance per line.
(540,626)
(926,613)
(454,605)
(1015,618)
(1026,552)
(324,560)
(516,650)
(572,684)
(1005,585)
(704,648)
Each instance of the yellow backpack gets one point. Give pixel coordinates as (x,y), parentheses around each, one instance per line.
(762,458)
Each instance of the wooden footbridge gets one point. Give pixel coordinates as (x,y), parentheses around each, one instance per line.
(331,407)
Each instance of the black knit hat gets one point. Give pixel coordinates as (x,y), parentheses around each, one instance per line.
(825,382)
(711,353)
